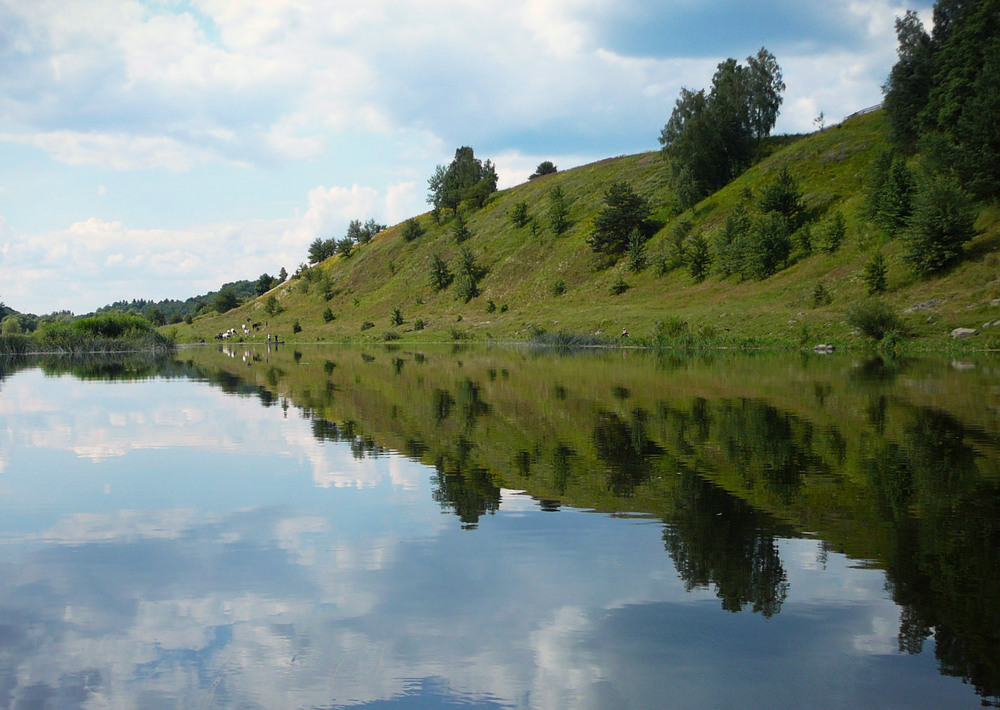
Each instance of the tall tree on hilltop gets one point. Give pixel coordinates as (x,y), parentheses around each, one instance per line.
(710,138)
(466,178)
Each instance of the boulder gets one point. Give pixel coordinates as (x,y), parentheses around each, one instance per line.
(963,332)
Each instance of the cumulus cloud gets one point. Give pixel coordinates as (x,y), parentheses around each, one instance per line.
(364,95)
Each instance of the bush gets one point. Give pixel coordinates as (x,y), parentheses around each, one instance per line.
(558,287)
(296,328)
(874,318)
(671,327)
(419,324)
(618,286)
(113,326)
(328,315)
(367,325)
(397,316)
(412,230)
(820,296)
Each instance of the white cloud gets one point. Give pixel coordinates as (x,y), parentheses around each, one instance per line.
(368,94)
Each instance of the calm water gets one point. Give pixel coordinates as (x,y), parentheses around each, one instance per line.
(487,528)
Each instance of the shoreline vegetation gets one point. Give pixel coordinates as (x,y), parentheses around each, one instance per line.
(98,335)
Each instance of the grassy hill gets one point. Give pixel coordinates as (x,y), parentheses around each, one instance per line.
(539,283)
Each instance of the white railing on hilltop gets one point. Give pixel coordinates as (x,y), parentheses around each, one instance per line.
(863,111)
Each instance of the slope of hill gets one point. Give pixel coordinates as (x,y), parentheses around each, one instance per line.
(536,282)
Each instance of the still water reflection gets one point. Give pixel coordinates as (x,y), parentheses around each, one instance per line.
(391,528)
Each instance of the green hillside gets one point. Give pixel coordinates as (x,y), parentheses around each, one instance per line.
(538,283)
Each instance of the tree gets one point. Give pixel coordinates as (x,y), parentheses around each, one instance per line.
(155,316)
(467,275)
(282,275)
(698,257)
(875,274)
(264,283)
(466,178)
(321,250)
(345,246)
(942,221)
(710,138)
(624,210)
(459,229)
(226,300)
(765,89)
(519,215)
(558,210)
(544,168)
(441,276)
(369,230)
(782,195)
(767,244)
(692,147)
(636,251)
(908,86)
(892,199)
(354,230)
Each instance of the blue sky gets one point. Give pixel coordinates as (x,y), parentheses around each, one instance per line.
(158,149)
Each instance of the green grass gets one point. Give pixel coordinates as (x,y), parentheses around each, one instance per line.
(523,263)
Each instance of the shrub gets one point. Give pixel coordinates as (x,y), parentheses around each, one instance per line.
(558,287)
(113,326)
(671,327)
(820,296)
(412,230)
(618,286)
(367,325)
(419,324)
(874,318)
(296,327)
(328,315)
(490,306)
(397,316)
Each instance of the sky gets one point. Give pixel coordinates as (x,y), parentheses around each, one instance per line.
(160,148)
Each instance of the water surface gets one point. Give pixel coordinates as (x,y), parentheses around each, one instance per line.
(318,527)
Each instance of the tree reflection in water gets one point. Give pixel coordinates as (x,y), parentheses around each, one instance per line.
(716,539)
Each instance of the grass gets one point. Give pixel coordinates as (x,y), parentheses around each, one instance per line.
(517,298)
